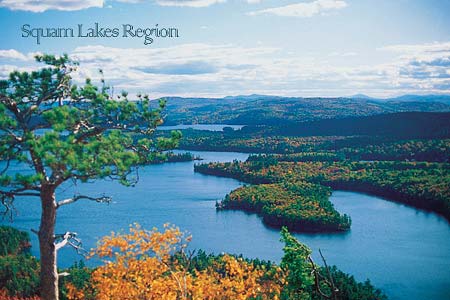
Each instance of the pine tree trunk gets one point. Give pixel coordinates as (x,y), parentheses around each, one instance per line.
(49,273)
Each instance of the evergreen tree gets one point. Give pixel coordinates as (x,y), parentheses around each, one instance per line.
(65,132)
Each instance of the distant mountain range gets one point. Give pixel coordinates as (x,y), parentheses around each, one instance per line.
(253,97)
(273,110)
(408,98)
(425,98)
(360,96)
(404,98)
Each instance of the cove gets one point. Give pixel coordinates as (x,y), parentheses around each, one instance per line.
(404,251)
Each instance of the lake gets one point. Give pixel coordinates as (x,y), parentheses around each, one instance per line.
(404,251)
(207,127)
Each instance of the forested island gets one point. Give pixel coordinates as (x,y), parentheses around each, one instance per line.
(403,157)
(301,206)
(423,185)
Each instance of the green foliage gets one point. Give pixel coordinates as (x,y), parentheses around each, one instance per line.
(301,206)
(13,241)
(295,260)
(254,140)
(63,131)
(421,184)
(180,157)
(319,148)
(201,260)
(79,276)
(301,279)
(19,275)
(350,289)
(435,150)
(19,271)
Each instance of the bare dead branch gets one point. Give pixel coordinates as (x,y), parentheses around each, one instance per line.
(7,199)
(102,199)
(334,289)
(23,191)
(8,162)
(63,274)
(69,238)
(8,204)
(319,278)
(65,239)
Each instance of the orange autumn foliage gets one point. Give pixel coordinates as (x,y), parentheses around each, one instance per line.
(143,264)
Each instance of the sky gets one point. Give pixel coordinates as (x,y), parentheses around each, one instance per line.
(329,48)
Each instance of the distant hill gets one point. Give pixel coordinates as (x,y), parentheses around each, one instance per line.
(407,98)
(274,110)
(399,125)
(360,96)
(252,97)
(422,98)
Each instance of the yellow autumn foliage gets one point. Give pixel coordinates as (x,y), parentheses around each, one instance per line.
(153,265)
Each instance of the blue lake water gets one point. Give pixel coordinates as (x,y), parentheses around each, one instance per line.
(207,127)
(404,251)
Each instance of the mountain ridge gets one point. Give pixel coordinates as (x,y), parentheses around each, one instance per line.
(271,110)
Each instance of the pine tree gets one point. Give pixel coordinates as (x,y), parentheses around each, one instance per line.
(65,132)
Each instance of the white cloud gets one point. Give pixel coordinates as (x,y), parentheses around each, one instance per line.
(71,5)
(189,3)
(5,70)
(174,70)
(342,54)
(221,70)
(43,5)
(130,1)
(423,65)
(12,54)
(303,9)
(419,48)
